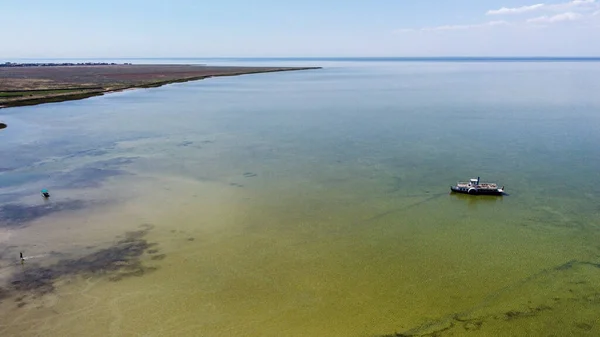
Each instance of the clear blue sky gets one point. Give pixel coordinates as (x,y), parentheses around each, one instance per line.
(270,28)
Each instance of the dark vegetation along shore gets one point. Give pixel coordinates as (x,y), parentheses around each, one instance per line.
(32,85)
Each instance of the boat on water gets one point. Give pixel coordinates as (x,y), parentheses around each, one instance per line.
(2,125)
(475,187)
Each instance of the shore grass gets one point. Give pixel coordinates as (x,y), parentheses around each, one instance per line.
(30,93)
(49,99)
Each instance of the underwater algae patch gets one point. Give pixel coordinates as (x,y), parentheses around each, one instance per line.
(564,300)
(17,215)
(121,260)
(87,177)
(94,174)
(90,175)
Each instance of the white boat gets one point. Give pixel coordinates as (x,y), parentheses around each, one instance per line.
(474,187)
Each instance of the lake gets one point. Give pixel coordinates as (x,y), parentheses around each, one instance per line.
(310,203)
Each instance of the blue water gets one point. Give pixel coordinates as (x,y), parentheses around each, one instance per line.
(319,201)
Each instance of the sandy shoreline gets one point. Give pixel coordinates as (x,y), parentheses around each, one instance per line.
(38,85)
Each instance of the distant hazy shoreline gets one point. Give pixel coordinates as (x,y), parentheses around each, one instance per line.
(325,58)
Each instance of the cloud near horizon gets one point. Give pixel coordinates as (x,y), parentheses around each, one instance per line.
(575,10)
(569,16)
(516,10)
(574,5)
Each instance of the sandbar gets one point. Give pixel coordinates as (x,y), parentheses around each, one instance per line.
(31,85)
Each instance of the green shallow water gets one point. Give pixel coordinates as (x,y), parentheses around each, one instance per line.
(309,204)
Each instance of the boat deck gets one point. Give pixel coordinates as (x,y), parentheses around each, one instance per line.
(483,186)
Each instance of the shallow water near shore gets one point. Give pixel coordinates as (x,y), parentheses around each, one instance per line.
(309,204)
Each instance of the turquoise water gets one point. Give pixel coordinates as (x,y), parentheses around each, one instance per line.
(311,203)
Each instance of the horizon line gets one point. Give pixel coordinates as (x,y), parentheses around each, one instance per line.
(304,57)
(329,58)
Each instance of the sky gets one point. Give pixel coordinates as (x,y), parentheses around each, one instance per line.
(297,28)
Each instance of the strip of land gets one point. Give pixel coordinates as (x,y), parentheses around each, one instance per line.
(32,85)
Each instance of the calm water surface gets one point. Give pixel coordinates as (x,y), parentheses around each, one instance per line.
(309,204)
